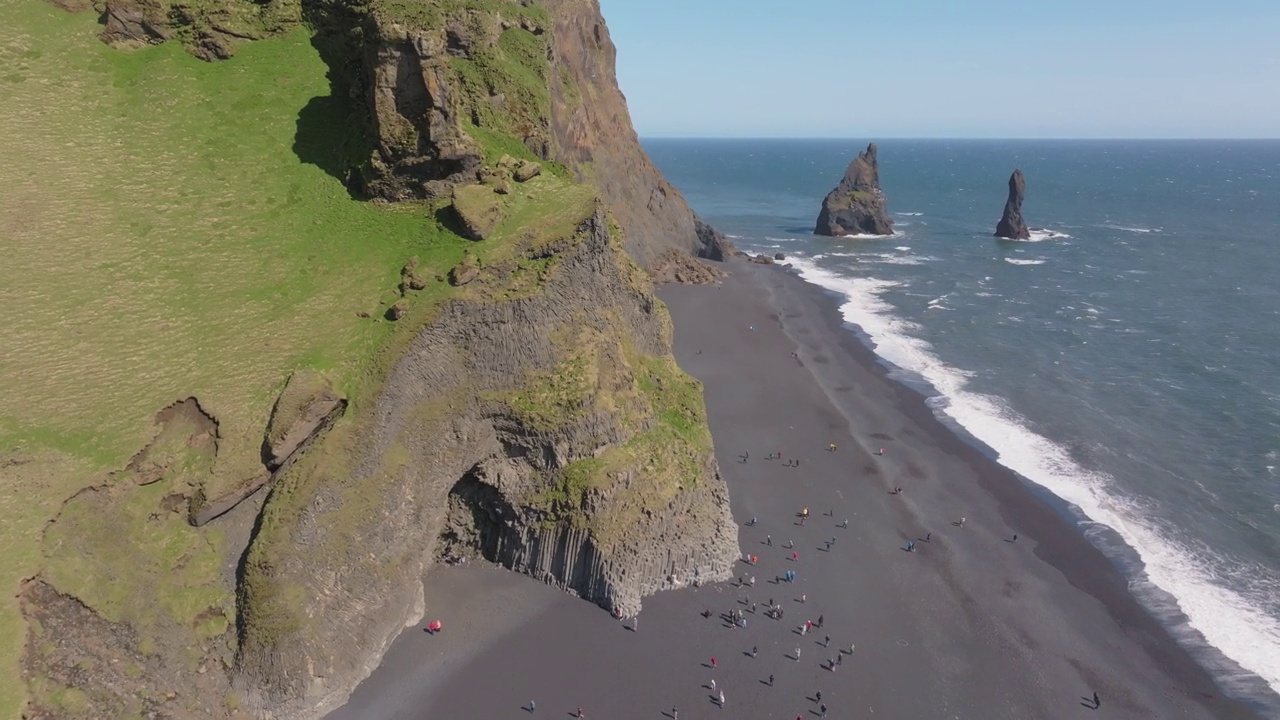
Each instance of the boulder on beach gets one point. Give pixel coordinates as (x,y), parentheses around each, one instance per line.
(1011,225)
(857,206)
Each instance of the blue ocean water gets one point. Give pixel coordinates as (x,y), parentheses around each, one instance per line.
(1127,359)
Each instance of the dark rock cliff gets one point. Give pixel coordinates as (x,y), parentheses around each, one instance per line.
(465,451)
(534,417)
(423,107)
(592,133)
(1011,224)
(857,206)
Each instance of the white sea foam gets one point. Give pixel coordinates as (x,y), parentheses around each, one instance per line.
(903,248)
(865,236)
(1193,578)
(889,259)
(1021,261)
(1133,229)
(909,214)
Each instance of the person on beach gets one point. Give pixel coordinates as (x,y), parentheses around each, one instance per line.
(789,545)
(928,537)
(675,713)
(768,540)
(820,622)
(817,697)
(831,448)
(797,654)
(795,556)
(754,650)
(713,683)
(962,522)
(804,630)
(1096,702)
(1015,537)
(823,708)
(803,598)
(850,648)
(840,659)
(770,681)
(580,715)
(713,662)
(845,524)
(721,698)
(826,641)
(533,705)
(911,547)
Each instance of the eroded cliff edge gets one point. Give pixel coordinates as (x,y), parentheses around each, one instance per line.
(551,433)
(534,416)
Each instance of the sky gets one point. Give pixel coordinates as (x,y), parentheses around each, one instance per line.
(950,68)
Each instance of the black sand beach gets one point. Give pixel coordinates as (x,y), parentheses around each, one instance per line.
(969,625)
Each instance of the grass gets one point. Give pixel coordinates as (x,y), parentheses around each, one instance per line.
(164,237)
(665,458)
(517,69)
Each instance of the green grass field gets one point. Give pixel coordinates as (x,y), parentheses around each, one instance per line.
(167,230)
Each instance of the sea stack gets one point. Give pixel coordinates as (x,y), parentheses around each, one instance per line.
(1012,226)
(857,206)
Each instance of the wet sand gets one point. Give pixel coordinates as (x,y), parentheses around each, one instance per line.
(969,625)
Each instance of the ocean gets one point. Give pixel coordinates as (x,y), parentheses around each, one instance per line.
(1126,360)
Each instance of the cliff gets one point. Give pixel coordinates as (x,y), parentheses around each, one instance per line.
(524,407)
(857,205)
(1011,225)
(551,434)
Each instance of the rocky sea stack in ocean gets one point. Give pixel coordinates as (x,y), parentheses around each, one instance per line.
(1012,226)
(857,206)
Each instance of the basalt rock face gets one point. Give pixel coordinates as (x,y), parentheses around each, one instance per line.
(592,133)
(489,438)
(421,149)
(1011,224)
(857,206)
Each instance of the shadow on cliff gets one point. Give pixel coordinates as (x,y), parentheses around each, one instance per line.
(333,131)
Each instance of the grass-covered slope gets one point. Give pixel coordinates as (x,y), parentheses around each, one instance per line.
(177,229)
(169,230)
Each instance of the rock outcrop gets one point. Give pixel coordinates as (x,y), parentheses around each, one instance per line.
(571,475)
(528,412)
(714,244)
(591,132)
(857,206)
(1011,225)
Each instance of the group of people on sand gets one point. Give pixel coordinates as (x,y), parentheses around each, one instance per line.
(736,617)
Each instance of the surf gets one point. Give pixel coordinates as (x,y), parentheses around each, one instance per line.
(1183,585)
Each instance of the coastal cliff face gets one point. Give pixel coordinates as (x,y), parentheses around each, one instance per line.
(570,111)
(592,133)
(1011,224)
(857,206)
(532,417)
(551,434)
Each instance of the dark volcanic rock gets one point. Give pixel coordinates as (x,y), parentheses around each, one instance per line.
(1012,225)
(857,206)
(125,21)
(713,244)
(527,171)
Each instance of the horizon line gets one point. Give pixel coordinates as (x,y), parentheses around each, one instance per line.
(861,138)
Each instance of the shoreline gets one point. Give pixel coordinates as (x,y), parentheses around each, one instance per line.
(1061,529)
(973,623)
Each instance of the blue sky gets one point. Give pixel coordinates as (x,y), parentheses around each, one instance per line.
(949,68)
